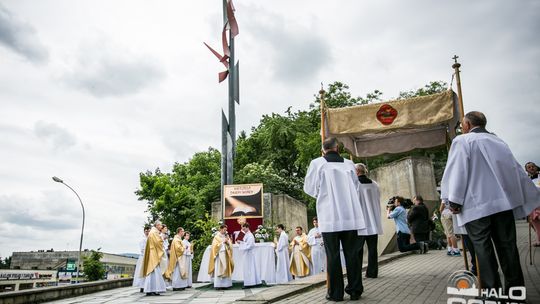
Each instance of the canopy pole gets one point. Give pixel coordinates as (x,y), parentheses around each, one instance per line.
(323,127)
(456,67)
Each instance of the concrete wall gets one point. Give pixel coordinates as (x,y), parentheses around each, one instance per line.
(46,294)
(407,177)
(278,209)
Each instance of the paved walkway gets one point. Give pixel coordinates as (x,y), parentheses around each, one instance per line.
(403,279)
(423,278)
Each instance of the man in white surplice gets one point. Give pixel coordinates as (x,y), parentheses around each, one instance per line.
(251,272)
(332,180)
(283,275)
(487,189)
(318,256)
(138,279)
(369,194)
(189,257)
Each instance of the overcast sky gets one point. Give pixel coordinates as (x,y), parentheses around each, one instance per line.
(97,91)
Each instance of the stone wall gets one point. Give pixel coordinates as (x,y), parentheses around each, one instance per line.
(406,177)
(278,209)
(45,294)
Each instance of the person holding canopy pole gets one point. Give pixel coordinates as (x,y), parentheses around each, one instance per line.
(487,189)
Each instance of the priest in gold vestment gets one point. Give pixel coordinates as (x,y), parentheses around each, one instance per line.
(300,262)
(177,270)
(221,263)
(154,284)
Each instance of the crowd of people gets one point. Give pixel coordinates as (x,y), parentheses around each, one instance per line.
(162,266)
(482,191)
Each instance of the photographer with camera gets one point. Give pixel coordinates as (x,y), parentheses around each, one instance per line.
(395,210)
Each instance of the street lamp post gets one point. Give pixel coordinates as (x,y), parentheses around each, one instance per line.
(58,180)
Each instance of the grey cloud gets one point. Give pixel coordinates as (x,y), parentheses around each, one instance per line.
(107,71)
(299,53)
(59,137)
(51,211)
(21,37)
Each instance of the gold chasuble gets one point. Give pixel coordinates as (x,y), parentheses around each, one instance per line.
(176,256)
(226,264)
(153,252)
(300,257)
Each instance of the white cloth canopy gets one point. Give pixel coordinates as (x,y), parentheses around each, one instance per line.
(264,257)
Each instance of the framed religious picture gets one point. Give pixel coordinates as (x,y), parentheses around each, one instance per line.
(243,201)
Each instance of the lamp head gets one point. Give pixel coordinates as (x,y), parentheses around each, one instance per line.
(58,180)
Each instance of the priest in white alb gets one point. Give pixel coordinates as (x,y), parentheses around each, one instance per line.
(251,271)
(318,255)
(189,257)
(283,275)
(221,264)
(370,200)
(177,270)
(488,190)
(332,180)
(300,264)
(138,278)
(154,284)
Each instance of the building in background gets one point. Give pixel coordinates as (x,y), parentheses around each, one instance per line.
(50,268)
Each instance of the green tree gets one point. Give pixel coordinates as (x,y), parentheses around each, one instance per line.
(93,268)
(5,263)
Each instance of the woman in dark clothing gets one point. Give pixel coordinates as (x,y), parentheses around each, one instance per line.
(418,219)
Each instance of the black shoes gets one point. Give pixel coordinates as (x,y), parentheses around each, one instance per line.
(152,294)
(178,289)
(329,298)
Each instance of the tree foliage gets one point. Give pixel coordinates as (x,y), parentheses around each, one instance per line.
(93,268)
(5,263)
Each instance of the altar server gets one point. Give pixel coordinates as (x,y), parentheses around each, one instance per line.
(221,263)
(283,275)
(300,264)
(153,254)
(369,195)
(332,180)
(318,256)
(138,278)
(251,273)
(189,257)
(487,189)
(177,270)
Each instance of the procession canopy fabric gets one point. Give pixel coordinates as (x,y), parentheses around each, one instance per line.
(395,126)
(153,251)
(176,252)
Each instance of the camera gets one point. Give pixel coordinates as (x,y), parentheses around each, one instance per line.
(405,203)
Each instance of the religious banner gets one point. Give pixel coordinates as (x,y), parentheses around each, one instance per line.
(243,201)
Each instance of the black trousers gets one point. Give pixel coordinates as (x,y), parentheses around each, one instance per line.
(352,249)
(421,237)
(404,242)
(501,229)
(373,263)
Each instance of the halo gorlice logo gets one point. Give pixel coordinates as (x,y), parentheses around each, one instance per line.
(463,288)
(386,114)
